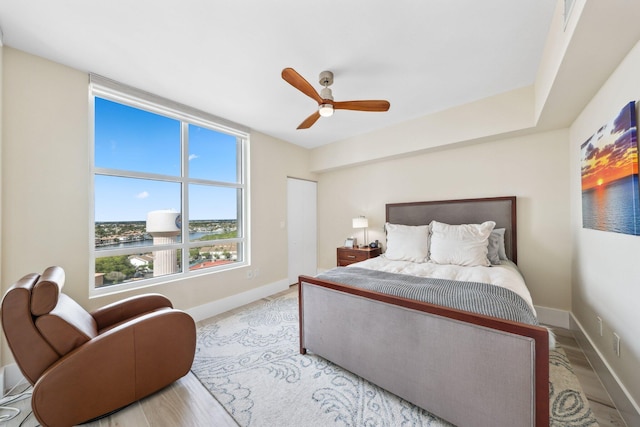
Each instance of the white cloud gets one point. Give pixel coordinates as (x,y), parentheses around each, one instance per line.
(142,195)
(193,156)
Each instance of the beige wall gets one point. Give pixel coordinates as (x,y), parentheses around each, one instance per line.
(45,169)
(1,132)
(606,274)
(46,189)
(533,168)
(484,119)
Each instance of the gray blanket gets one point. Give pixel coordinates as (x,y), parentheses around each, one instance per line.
(481,298)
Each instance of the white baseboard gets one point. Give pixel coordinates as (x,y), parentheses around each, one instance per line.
(628,408)
(213,308)
(11,376)
(553,317)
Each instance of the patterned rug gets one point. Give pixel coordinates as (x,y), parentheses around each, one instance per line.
(250,362)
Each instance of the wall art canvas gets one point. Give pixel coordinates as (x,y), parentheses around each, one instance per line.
(610,197)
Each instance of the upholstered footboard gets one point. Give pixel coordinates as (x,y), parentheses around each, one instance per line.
(468,369)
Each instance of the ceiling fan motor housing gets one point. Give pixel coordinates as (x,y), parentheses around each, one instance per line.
(326,94)
(326,78)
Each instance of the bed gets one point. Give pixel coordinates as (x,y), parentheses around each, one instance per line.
(468,368)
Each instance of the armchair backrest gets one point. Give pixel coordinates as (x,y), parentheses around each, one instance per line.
(42,324)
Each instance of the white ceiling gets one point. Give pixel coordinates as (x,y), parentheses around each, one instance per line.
(225,57)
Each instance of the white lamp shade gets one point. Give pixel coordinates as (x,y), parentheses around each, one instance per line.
(325,110)
(360,222)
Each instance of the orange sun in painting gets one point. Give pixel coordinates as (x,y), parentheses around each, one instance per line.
(600,181)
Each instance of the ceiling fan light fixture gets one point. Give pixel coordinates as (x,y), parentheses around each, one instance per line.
(325,110)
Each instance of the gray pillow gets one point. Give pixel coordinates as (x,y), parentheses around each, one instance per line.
(495,247)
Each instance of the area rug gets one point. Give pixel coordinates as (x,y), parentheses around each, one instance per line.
(250,362)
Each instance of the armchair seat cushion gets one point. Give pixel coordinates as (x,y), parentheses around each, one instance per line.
(67,326)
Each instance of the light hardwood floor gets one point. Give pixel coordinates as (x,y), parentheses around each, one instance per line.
(599,400)
(184,403)
(188,403)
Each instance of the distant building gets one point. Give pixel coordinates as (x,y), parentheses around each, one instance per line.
(207,264)
(164,226)
(140,260)
(99,279)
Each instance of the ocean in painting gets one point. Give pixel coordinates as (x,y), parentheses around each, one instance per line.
(613,207)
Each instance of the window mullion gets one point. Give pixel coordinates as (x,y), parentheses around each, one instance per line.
(185,196)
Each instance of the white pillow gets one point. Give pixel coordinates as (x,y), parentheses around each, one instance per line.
(407,242)
(464,244)
(496,251)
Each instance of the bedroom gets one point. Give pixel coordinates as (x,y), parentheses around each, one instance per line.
(570,270)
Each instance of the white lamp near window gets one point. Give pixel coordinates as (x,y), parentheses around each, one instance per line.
(361,222)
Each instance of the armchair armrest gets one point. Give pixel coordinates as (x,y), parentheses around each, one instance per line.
(126,309)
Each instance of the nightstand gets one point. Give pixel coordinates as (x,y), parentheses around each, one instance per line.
(348,256)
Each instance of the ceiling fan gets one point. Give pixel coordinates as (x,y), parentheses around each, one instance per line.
(325,101)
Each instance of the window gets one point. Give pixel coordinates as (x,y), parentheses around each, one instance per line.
(170,190)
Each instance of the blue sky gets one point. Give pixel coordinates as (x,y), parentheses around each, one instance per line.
(127,138)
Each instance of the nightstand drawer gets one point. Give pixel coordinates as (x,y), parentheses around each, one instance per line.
(348,256)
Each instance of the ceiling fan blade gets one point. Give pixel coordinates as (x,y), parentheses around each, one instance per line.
(292,77)
(373,105)
(309,121)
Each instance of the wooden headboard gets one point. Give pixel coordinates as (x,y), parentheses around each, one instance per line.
(502,210)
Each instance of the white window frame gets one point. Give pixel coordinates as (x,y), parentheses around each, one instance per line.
(568,8)
(113,91)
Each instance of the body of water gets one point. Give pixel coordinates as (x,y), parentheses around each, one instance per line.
(192,236)
(613,207)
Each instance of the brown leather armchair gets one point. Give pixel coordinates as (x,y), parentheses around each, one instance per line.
(84,365)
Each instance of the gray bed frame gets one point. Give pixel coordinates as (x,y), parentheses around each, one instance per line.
(469,369)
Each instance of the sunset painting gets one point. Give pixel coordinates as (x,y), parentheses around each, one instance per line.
(610,197)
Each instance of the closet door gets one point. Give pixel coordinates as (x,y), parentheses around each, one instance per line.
(302,228)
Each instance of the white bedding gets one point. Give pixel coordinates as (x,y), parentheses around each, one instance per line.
(505,275)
